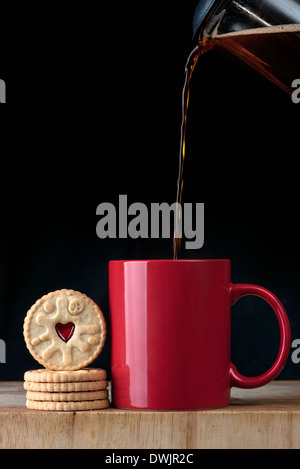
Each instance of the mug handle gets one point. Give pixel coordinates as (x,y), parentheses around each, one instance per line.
(239,290)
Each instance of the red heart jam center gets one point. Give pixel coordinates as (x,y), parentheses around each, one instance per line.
(65,331)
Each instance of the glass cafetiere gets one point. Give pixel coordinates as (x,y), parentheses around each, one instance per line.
(264,34)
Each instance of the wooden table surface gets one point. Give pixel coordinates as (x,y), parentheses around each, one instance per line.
(267,417)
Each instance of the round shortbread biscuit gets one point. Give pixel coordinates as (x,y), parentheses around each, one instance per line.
(66,387)
(68,406)
(50,376)
(67,396)
(64,330)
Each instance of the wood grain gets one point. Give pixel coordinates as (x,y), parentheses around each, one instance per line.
(268,417)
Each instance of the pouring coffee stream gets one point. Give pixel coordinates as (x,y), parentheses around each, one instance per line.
(264,34)
(190,65)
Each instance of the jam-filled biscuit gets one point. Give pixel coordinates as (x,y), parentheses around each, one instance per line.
(64,330)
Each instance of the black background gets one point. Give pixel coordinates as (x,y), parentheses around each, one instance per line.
(93,111)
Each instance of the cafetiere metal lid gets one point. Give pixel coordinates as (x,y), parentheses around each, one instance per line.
(247,14)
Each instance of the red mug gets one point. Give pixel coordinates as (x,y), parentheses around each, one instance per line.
(170,334)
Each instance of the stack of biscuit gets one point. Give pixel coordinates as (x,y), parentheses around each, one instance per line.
(66,390)
(65,331)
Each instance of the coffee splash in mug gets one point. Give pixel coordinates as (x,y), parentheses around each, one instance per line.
(273,51)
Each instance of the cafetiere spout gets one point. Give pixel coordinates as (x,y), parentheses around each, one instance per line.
(205,10)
